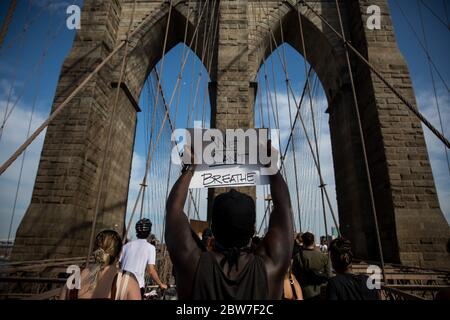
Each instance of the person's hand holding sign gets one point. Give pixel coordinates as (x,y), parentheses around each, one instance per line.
(271,167)
(188,157)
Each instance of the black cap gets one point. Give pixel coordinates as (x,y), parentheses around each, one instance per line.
(233,219)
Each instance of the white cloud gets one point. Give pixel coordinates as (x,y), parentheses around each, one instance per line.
(137,172)
(308,175)
(309,192)
(14,135)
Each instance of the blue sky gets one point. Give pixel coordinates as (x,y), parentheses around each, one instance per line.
(30,61)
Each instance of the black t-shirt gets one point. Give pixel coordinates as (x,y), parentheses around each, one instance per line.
(211,283)
(350,287)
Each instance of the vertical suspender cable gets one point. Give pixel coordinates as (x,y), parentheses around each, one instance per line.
(363,144)
(58,109)
(408,104)
(313,119)
(16,62)
(422,45)
(109,136)
(291,125)
(151,152)
(425,41)
(298,116)
(437,16)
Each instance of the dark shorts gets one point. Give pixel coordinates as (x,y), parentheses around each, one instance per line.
(142,292)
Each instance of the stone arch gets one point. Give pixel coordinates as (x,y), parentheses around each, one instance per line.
(326,56)
(76,187)
(325,53)
(57,222)
(148,45)
(322,49)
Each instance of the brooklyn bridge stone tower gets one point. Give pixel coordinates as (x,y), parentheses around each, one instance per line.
(58,221)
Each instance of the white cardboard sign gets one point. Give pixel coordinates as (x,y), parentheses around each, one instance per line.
(226,175)
(238,172)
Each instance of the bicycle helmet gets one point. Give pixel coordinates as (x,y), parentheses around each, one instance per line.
(143,228)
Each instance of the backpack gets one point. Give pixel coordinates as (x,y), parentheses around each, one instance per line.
(308,275)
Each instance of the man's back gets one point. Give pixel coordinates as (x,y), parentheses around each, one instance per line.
(213,281)
(136,255)
(234,226)
(308,265)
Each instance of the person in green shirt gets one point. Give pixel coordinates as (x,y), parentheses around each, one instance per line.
(311,268)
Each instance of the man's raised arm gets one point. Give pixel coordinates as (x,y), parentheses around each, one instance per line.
(278,242)
(178,231)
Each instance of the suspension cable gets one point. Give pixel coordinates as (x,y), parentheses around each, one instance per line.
(63,104)
(436,15)
(169,105)
(22,164)
(290,122)
(172,129)
(158,90)
(433,81)
(33,107)
(26,27)
(422,45)
(254,34)
(15,67)
(436,132)
(152,146)
(312,115)
(109,136)
(298,115)
(150,130)
(282,169)
(363,143)
(263,220)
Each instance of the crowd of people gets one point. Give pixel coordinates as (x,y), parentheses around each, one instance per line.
(310,274)
(229,262)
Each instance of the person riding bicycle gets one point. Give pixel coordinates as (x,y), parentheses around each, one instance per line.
(139,256)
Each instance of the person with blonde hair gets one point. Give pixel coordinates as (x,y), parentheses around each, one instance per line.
(102,279)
